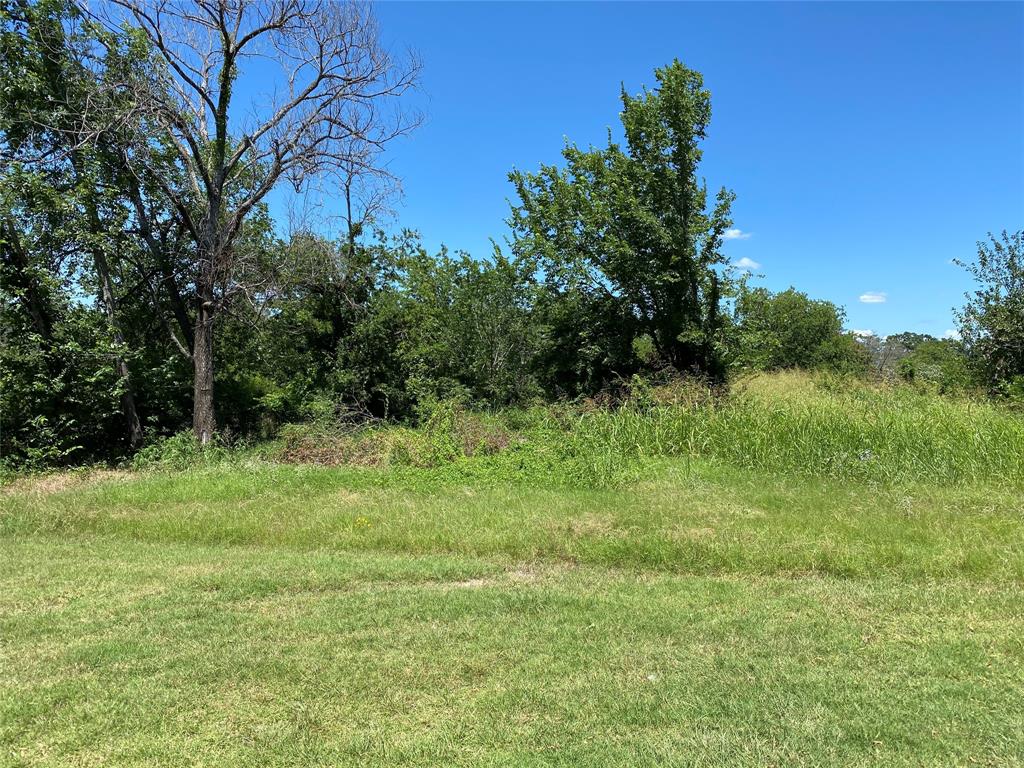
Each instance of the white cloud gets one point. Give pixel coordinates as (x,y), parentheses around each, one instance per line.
(746,264)
(735,234)
(951,334)
(862,332)
(873,297)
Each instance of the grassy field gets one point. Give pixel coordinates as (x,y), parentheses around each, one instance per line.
(622,588)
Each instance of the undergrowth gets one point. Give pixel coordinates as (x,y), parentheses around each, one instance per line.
(791,423)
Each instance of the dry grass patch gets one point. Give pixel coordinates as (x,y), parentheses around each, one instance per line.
(58,482)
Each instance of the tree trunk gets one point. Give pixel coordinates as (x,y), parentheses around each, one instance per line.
(203,420)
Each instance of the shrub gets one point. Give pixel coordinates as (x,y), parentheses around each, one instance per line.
(448,433)
(937,364)
(774,331)
(992,322)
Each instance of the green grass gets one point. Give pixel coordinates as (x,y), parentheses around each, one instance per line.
(705,519)
(129,653)
(543,605)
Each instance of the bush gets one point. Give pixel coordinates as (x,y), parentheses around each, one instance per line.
(937,364)
(59,396)
(992,322)
(1012,391)
(448,433)
(776,331)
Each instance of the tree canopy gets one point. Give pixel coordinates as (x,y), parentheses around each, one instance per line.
(628,228)
(774,331)
(992,320)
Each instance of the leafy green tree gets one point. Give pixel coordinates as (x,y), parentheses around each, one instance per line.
(469,331)
(309,353)
(76,205)
(59,396)
(625,233)
(992,321)
(125,190)
(773,331)
(939,364)
(49,54)
(908,340)
(380,329)
(585,338)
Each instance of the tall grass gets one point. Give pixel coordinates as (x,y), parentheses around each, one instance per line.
(790,423)
(795,423)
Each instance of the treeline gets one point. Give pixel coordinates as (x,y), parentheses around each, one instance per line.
(145,289)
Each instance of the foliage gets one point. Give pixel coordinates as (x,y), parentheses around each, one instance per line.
(449,434)
(825,426)
(469,330)
(992,321)
(57,403)
(776,331)
(179,452)
(938,363)
(384,330)
(68,258)
(390,354)
(624,234)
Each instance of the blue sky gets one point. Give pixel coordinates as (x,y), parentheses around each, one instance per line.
(868,143)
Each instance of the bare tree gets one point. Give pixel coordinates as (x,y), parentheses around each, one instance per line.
(367,190)
(321,102)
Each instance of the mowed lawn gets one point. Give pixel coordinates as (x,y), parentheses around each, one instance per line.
(273,615)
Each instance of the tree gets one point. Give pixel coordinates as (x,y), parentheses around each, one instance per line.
(300,358)
(48,62)
(61,399)
(938,363)
(330,83)
(790,330)
(468,325)
(629,227)
(885,353)
(992,321)
(908,341)
(367,189)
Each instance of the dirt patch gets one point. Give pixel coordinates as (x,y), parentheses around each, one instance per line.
(516,577)
(528,574)
(345,496)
